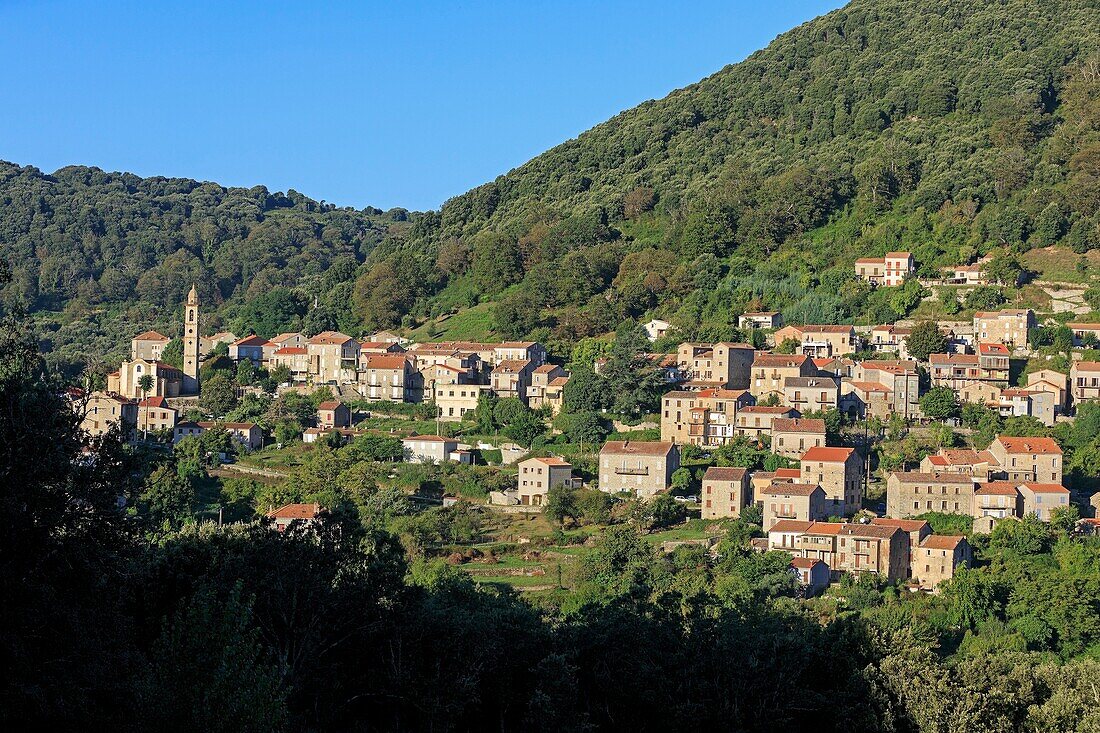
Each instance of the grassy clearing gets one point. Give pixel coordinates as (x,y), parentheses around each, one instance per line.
(471,324)
(1059,264)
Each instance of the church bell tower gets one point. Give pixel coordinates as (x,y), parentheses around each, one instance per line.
(191,343)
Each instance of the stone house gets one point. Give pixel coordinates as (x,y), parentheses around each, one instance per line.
(452,401)
(755,421)
(1084,380)
(288,514)
(333,414)
(793,436)
(812,575)
(820,340)
(251,348)
(547,388)
(1009,326)
(639,467)
(148,346)
(715,366)
(333,358)
(1027,459)
(839,471)
(386,377)
(433,449)
(770,370)
(1041,499)
(155,414)
(909,493)
(786,500)
(538,475)
(938,557)
(101,411)
(705,418)
(725,492)
(888,271)
(811,394)
(294,358)
(760,319)
(889,339)
(512,378)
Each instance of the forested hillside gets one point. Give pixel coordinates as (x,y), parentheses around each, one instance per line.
(948,127)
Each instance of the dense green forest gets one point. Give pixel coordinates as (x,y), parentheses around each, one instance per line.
(948,127)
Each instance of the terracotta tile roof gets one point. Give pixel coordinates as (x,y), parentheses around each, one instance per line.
(724,473)
(877,531)
(959,456)
(288,336)
(1086,366)
(151,336)
(1041,488)
(1005,313)
(1084,326)
(917,477)
(825,528)
(871,387)
(636,447)
(941,541)
(788,488)
(893,366)
(788,473)
(798,425)
(761,314)
(777,361)
(805,563)
(908,525)
(512,365)
(251,341)
(898,255)
(329,405)
(295,511)
(959,359)
(992,349)
(553,461)
(154,402)
(391,361)
(559,381)
(997,488)
(547,369)
(291,351)
(811,382)
(330,338)
(828,455)
(429,439)
(207,424)
(871,261)
(380,346)
(790,525)
(1045,446)
(762,410)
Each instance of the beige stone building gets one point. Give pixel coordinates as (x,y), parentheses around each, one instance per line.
(994,361)
(1048,380)
(889,271)
(291,339)
(820,341)
(715,366)
(512,378)
(248,435)
(793,436)
(997,500)
(101,411)
(167,379)
(148,346)
(856,548)
(1016,402)
(889,339)
(639,467)
(1008,326)
(839,471)
(770,370)
(433,449)
(938,557)
(756,422)
(958,370)
(799,501)
(860,400)
(154,414)
(547,388)
(382,348)
(900,377)
(705,418)
(760,319)
(1041,499)
(452,401)
(294,358)
(976,464)
(811,394)
(725,492)
(1027,459)
(978,393)
(333,414)
(538,475)
(386,377)
(910,493)
(1084,380)
(333,358)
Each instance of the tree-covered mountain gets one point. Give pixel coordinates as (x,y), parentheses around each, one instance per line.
(951,128)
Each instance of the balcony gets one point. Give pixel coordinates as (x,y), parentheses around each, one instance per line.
(631,470)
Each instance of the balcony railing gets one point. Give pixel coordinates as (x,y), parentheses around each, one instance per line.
(631,471)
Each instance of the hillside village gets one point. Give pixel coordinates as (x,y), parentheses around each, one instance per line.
(812,403)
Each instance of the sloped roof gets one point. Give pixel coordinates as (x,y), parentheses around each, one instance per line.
(828,455)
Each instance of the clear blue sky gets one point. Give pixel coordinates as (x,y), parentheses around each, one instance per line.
(386,104)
